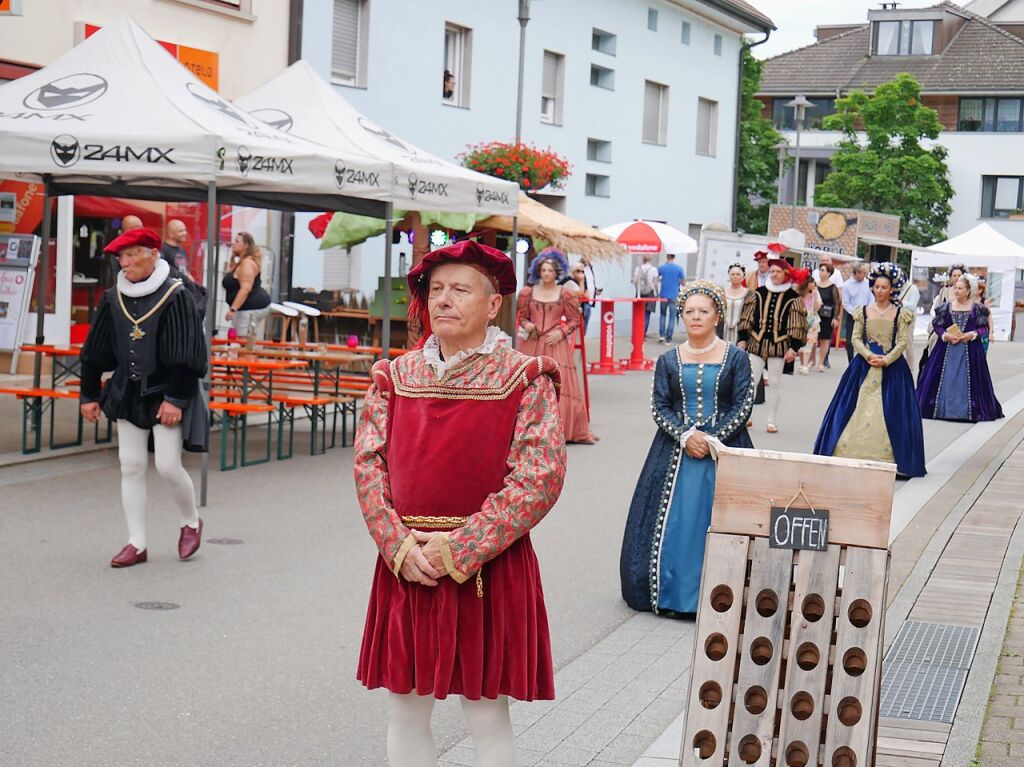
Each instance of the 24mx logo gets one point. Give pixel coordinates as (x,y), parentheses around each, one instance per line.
(489,195)
(417,187)
(344,176)
(257,163)
(66,151)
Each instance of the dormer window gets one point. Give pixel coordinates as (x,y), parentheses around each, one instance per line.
(904,38)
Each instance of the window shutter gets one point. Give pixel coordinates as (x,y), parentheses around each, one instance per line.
(703,126)
(652,111)
(345,38)
(549,81)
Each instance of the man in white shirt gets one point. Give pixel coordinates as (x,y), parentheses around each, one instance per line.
(856,292)
(645,280)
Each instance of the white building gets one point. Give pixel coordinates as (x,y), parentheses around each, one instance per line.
(641,97)
(971,69)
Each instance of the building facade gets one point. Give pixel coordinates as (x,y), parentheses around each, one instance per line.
(970,63)
(641,97)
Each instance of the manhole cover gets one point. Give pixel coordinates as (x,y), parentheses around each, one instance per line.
(225,541)
(157,605)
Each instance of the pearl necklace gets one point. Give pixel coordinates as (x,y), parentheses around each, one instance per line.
(696,351)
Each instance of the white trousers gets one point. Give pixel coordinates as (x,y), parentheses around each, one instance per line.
(132,452)
(772,392)
(411,742)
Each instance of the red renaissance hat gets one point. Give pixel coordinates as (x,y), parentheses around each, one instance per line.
(141,236)
(782,263)
(760,254)
(777,247)
(494,265)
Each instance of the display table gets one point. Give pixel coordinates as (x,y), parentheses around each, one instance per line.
(607,364)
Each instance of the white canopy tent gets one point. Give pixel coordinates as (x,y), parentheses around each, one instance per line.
(302,103)
(118,116)
(979,248)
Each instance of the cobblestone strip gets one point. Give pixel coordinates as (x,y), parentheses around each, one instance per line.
(613,700)
(1002,736)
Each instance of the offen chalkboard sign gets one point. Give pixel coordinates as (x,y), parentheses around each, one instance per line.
(794,528)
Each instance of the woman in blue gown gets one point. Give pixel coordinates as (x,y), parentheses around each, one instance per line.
(955,383)
(702,387)
(874,412)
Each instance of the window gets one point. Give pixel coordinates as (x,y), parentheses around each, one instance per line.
(718,45)
(599,150)
(1001,196)
(602,77)
(235,8)
(655,113)
(652,19)
(348,42)
(602,42)
(707,126)
(1002,115)
(684,36)
(458,55)
(552,88)
(904,38)
(782,116)
(598,185)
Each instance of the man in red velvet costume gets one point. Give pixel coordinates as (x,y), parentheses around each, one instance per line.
(459,453)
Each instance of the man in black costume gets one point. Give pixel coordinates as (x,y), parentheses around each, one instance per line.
(147,331)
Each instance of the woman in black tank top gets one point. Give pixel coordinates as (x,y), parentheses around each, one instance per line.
(248,302)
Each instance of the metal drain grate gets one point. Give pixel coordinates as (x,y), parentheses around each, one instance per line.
(925,671)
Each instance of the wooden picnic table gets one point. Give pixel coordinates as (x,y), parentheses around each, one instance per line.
(60,370)
(257,374)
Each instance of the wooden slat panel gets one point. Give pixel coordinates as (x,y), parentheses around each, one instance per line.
(816,578)
(858,493)
(725,565)
(771,570)
(854,699)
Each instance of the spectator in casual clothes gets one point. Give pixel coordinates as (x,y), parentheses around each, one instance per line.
(856,292)
(130,222)
(172,249)
(591,290)
(645,280)
(248,302)
(670,277)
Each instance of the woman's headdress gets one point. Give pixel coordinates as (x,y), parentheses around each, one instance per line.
(896,276)
(704,288)
(548,254)
(737,265)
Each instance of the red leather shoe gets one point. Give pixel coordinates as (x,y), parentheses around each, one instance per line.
(188,543)
(129,556)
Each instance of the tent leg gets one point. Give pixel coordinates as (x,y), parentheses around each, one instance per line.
(513,253)
(385,333)
(212,225)
(42,272)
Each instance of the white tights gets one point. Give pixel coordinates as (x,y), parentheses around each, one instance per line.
(772,392)
(132,452)
(411,743)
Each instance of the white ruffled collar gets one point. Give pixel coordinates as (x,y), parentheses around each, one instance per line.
(773,288)
(432,350)
(148,285)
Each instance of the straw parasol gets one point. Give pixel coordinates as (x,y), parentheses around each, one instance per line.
(566,234)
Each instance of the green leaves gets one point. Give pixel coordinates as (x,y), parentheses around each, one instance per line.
(758,160)
(887,161)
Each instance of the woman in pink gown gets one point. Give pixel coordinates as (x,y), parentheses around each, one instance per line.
(548,319)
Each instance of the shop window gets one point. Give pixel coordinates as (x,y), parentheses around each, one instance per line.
(349,32)
(458,59)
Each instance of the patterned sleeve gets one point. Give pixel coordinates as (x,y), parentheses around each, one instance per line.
(857,335)
(904,329)
(665,415)
(797,324)
(747,316)
(373,487)
(984,320)
(536,463)
(942,320)
(570,311)
(742,401)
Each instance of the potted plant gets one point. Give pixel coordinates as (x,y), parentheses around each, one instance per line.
(1017,215)
(530,167)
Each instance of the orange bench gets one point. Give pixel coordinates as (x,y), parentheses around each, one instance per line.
(234,417)
(34,402)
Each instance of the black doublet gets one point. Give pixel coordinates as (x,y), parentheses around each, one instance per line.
(166,363)
(771,323)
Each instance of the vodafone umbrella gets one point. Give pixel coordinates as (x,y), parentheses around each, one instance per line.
(651,237)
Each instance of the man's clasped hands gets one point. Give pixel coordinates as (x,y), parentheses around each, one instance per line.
(423,564)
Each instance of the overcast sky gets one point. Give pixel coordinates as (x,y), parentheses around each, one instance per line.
(796,19)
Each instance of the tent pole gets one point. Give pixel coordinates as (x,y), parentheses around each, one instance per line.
(513,252)
(385,333)
(211,311)
(42,274)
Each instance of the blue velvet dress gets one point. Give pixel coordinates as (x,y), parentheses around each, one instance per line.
(663,545)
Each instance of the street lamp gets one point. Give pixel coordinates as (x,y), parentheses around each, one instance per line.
(799,104)
(524,18)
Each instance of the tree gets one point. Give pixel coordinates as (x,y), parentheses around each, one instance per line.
(881,164)
(759,159)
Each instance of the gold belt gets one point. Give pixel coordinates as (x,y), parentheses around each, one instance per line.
(445,523)
(435,523)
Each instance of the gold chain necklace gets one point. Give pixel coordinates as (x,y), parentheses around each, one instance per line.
(137,333)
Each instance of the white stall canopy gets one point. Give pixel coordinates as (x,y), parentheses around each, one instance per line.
(119,112)
(301,103)
(979,248)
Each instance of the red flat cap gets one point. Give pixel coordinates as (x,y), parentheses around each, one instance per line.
(760,254)
(147,238)
(492,263)
(781,263)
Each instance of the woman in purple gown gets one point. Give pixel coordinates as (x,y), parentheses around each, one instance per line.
(955,383)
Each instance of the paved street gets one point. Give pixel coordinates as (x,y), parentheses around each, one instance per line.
(256,664)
